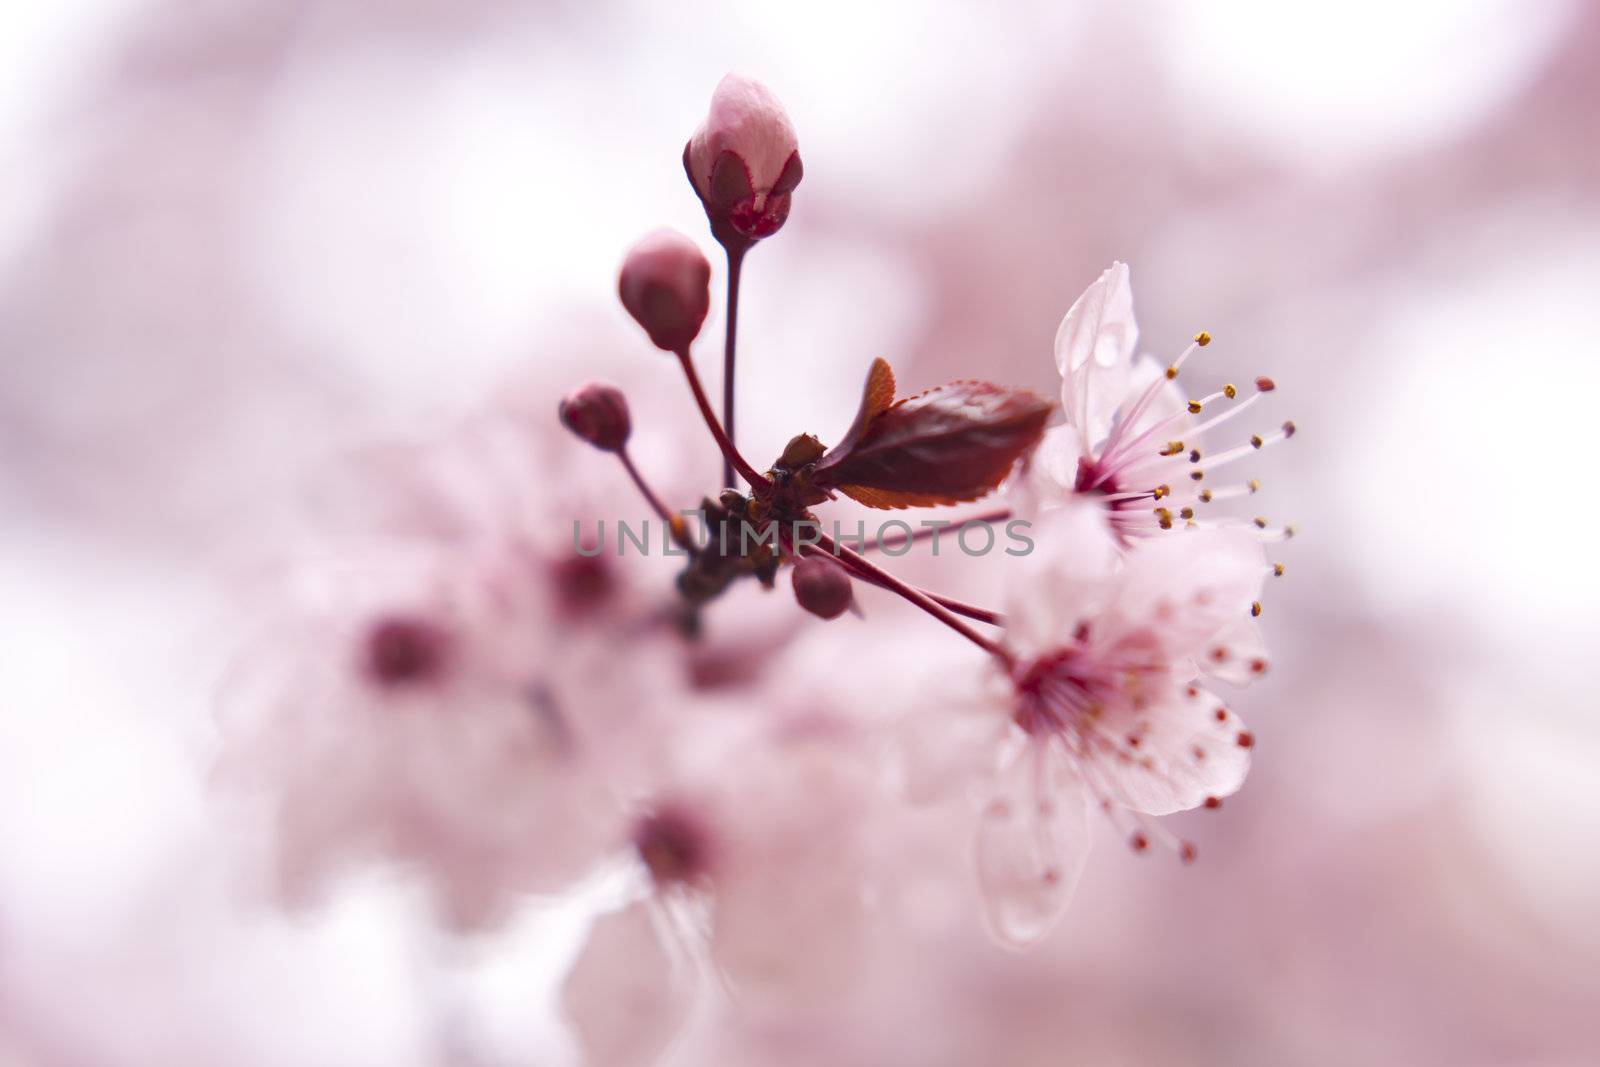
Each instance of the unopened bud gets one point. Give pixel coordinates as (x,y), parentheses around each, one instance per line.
(822,588)
(666,287)
(744,162)
(598,413)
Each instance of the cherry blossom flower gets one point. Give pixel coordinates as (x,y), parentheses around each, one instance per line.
(1131,437)
(769,867)
(1104,704)
(744,161)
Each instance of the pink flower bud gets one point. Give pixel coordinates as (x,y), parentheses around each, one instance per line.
(598,413)
(666,287)
(822,588)
(744,162)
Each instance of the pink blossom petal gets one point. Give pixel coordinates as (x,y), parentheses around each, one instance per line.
(1069,576)
(1033,839)
(623,997)
(1190,747)
(1052,473)
(747,119)
(1243,654)
(1094,346)
(1189,589)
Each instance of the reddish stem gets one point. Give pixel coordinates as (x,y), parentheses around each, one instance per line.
(883,578)
(729,340)
(644,488)
(730,454)
(971,611)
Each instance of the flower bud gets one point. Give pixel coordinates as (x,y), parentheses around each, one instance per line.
(598,413)
(666,287)
(744,162)
(822,588)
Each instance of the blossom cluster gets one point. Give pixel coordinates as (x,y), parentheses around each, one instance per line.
(469,694)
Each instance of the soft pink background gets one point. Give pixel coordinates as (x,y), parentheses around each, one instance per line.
(235,239)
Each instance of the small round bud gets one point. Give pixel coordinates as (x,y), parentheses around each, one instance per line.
(744,162)
(821,588)
(405,650)
(666,286)
(598,413)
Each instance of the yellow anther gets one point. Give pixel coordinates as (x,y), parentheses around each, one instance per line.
(1173,448)
(1197,475)
(1194,407)
(1254,484)
(1255,440)
(1161,491)
(1187,513)
(1277,570)
(1229,391)
(1255,609)
(1172,372)
(1261,523)
(1202,338)
(1205,496)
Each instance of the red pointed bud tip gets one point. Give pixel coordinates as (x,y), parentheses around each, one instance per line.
(598,413)
(666,286)
(821,588)
(405,651)
(744,162)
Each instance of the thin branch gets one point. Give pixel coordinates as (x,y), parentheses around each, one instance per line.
(729,454)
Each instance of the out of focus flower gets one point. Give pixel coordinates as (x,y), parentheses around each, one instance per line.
(664,284)
(1103,702)
(771,862)
(1131,438)
(744,162)
(440,689)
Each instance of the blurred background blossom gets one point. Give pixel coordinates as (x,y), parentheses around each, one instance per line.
(250,253)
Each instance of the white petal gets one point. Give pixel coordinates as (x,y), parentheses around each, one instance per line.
(1033,838)
(623,997)
(1186,753)
(1067,578)
(1052,472)
(1187,590)
(1242,655)
(1094,346)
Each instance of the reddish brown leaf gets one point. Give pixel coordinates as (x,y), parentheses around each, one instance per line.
(877,396)
(945,446)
